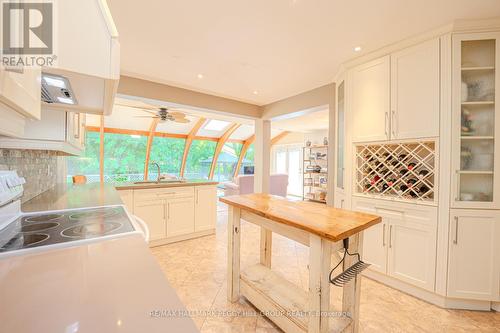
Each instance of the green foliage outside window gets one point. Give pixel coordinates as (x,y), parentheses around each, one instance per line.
(199,159)
(124,157)
(167,152)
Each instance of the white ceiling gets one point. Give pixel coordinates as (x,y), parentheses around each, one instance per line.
(305,123)
(278,48)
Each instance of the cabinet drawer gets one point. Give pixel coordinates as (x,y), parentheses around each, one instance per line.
(404,212)
(163,193)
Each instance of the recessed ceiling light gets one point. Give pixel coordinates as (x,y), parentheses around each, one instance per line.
(255,92)
(216,125)
(200,76)
(357,49)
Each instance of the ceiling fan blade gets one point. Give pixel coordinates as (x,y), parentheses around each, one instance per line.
(177,114)
(146,117)
(181,120)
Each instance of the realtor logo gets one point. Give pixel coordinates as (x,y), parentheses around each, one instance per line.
(27,28)
(27,33)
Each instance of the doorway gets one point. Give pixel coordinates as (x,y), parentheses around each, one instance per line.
(288,159)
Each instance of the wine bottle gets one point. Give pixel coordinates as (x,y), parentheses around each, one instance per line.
(423,173)
(411,182)
(411,166)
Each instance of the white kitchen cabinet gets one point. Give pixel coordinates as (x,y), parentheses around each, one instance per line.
(403,246)
(56,130)
(476,121)
(474,254)
(152,212)
(20,90)
(415,91)
(180,216)
(370,100)
(340,200)
(127,197)
(206,207)
(412,250)
(174,213)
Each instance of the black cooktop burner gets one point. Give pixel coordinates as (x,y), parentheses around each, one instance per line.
(64,226)
(91,229)
(38,226)
(21,241)
(95,214)
(43,218)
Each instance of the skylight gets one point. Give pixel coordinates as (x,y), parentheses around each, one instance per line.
(216,125)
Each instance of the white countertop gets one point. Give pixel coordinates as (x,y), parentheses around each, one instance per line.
(108,286)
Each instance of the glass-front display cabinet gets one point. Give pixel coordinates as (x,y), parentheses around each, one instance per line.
(476,121)
(339,164)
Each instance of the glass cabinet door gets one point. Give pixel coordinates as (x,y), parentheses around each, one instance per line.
(340,135)
(476,120)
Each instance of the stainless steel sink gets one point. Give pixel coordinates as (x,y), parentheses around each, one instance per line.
(173,181)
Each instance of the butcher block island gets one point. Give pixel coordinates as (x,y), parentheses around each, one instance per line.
(323,229)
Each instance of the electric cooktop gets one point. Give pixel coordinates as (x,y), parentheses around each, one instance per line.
(41,229)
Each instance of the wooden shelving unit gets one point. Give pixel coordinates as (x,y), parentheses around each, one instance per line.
(315,181)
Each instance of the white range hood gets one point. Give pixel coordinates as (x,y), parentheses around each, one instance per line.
(87,56)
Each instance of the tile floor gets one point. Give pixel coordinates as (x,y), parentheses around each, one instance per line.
(197,270)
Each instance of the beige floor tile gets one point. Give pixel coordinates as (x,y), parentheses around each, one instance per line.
(197,270)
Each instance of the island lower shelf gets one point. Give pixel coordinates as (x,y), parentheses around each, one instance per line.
(174,213)
(275,295)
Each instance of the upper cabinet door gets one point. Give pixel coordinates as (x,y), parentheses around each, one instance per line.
(476,121)
(20,90)
(370,91)
(415,91)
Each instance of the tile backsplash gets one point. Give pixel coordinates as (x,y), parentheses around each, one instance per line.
(39,167)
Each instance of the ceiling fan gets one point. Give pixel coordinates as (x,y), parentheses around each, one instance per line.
(162,113)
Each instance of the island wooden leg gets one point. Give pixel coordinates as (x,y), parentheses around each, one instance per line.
(233,254)
(351,291)
(266,246)
(319,286)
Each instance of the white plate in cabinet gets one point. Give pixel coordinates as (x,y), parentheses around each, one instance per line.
(180,216)
(153,213)
(474,254)
(415,91)
(370,100)
(206,208)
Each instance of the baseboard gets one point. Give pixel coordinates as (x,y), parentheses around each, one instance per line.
(180,238)
(428,296)
(495,306)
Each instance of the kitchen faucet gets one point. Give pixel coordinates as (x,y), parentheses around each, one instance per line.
(158,179)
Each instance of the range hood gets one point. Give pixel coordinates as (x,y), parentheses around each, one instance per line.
(85,75)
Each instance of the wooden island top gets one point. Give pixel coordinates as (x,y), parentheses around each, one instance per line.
(327,222)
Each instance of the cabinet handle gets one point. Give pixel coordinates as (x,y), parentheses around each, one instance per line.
(383,235)
(390,236)
(76,122)
(386,118)
(455,241)
(342,203)
(393,123)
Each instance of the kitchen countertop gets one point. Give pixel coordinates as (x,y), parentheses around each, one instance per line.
(109,286)
(133,186)
(327,222)
(69,196)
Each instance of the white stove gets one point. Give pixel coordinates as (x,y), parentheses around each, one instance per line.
(21,233)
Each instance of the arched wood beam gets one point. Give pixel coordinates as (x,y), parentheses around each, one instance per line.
(189,140)
(156,134)
(243,152)
(152,130)
(101,150)
(278,137)
(220,145)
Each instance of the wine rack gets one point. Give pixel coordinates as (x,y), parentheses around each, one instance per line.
(397,170)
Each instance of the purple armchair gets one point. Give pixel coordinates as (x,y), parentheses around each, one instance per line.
(244,184)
